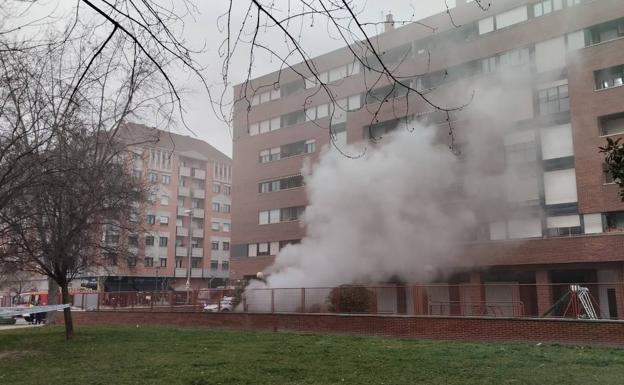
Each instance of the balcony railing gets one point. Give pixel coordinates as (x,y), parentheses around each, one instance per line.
(199,174)
(181,252)
(182,231)
(197,233)
(183,191)
(185,171)
(198,213)
(197,252)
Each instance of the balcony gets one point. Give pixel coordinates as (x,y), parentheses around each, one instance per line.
(198,213)
(199,174)
(197,252)
(181,252)
(185,171)
(180,272)
(199,193)
(197,233)
(182,231)
(196,272)
(183,191)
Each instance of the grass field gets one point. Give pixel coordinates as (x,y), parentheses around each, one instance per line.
(147,355)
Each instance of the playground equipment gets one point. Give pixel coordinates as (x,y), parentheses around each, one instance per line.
(580,304)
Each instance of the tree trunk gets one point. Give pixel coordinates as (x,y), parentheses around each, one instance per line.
(53,289)
(69,323)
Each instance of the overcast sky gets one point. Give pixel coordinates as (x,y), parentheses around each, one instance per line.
(202,31)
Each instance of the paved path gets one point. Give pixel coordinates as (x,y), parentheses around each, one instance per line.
(20,324)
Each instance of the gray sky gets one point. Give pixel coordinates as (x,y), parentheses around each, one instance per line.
(201,31)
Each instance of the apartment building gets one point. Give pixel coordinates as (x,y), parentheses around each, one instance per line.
(569,57)
(187,221)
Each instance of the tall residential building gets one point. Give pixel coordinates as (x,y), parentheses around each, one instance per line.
(569,57)
(187,220)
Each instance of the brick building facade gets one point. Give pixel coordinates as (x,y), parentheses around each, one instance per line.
(569,57)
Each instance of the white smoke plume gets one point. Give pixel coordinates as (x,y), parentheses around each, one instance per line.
(405,210)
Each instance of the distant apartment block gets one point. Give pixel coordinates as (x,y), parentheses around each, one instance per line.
(187,221)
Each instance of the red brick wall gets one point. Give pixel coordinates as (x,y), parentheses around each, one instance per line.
(435,328)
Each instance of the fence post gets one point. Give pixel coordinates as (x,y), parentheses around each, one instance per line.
(272,300)
(303,301)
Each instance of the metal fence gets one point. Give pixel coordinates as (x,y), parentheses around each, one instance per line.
(584,300)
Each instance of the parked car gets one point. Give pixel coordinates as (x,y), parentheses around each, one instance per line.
(226,305)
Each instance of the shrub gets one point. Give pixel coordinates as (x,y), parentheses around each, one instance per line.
(352,299)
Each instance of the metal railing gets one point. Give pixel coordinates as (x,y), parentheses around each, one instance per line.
(599,300)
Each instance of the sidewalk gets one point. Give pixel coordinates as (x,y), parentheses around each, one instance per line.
(20,324)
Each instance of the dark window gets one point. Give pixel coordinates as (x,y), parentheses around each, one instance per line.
(293,118)
(214,265)
(553,100)
(292,149)
(283,244)
(292,87)
(195,263)
(178,262)
(226,208)
(377,130)
(112,238)
(149,240)
(604,32)
(614,221)
(133,240)
(612,124)
(225,265)
(132,261)
(148,261)
(163,262)
(609,77)
(226,246)
(151,219)
(290,213)
(227,190)
(216,207)
(163,241)
(215,245)
(565,231)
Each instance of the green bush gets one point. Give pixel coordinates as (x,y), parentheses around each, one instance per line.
(352,299)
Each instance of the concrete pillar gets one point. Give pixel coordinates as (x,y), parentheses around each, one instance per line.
(543,290)
(619,291)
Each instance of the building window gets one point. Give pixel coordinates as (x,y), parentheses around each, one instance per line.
(612,124)
(164,200)
(111,238)
(488,65)
(214,265)
(152,197)
(151,219)
(149,240)
(521,153)
(553,100)
(226,208)
(604,32)
(178,263)
(216,207)
(515,58)
(197,203)
(227,190)
(215,245)
(609,77)
(545,7)
(166,179)
(195,263)
(216,188)
(136,174)
(608,177)
(153,177)
(226,246)
(163,262)
(148,262)
(133,241)
(215,226)
(225,265)
(564,226)
(614,221)
(226,227)
(164,220)
(132,261)
(163,241)
(280,215)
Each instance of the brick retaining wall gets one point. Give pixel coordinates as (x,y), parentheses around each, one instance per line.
(434,328)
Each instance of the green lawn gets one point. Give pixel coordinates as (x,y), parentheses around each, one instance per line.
(149,355)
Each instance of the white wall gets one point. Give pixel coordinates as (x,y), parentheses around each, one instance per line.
(557,142)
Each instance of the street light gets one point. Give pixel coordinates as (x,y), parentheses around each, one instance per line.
(188,252)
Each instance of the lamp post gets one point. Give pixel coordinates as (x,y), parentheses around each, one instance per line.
(188,252)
